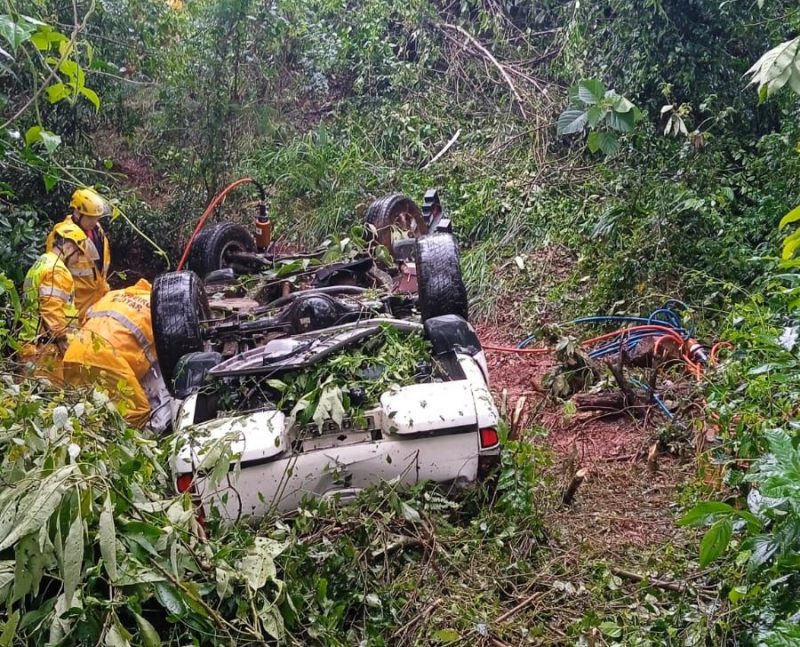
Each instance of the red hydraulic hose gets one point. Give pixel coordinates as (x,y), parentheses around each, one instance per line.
(218,199)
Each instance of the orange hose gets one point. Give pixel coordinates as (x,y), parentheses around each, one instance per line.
(666,330)
(218,199)
(669,333)
(712,356)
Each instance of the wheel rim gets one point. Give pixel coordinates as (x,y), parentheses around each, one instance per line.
(232,246)
(403,221)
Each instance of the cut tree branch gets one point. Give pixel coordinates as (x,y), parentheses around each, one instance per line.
(446,148)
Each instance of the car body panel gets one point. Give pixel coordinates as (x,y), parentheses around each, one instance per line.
(419,432)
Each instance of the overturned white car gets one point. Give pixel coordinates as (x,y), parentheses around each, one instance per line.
(315,409)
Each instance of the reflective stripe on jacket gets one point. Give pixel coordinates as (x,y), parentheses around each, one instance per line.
(49,297)
(90,282)
(120,319)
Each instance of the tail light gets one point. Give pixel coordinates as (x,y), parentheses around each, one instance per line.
(185,483)
(489,438)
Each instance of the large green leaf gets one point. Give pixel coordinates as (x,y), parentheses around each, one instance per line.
(572,120)
(170,598)
(603,140)
(147,632)
(591,91)
(9,630)
(790,245)
(776,67)
(39,506)
(703,513)
(73,558)
(792,216)
(15,32)
(258,566)
(108,538)
(715,541)
(622,121)
(91,96)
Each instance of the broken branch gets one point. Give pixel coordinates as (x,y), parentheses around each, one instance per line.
(574,484)
(678,587)
(471,39)
(444,150)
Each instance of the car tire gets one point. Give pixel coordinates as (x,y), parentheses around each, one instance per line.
(213,243)
(440,284)
(178,307)
(395,211)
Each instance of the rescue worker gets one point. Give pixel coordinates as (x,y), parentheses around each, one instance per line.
(115,350)
(49,302)
(89,268)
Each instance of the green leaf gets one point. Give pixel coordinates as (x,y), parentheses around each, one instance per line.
(50,180)
(272,622)
(36,134)
(32,135)
(446,636)
(15,33)
(58,92)
(792,216)
(40,41)
(594,115)
(409,513)
(591,91)
(572,120)
(703,513)
(10,630)
(715,541)
(620,104)
(50,140)
(73,558)
(790,245)
(258,566)
(117,635)
(764,547)
(148,634)
(602,140)
(170,598)
(92,97)
(610,629)
(772,71)
(330,406)
(108,538)
(39,506)
(622,121)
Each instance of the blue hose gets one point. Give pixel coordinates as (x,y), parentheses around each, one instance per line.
(664,316)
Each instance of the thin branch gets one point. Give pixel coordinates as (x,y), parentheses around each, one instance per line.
(444,150)
(471,39)
(78,28)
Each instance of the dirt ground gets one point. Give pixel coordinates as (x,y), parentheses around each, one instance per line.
(622,504)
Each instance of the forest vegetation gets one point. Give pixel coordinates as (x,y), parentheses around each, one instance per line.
(653,145)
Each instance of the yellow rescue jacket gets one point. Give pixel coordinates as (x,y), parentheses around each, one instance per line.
(90,281)
(121,321)
(49,298)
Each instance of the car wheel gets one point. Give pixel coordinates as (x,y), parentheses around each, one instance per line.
(441,287)
(213,245)
(178,307)
(395,217)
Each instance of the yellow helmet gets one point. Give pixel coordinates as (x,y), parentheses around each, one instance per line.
(89,203)
(70,231)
